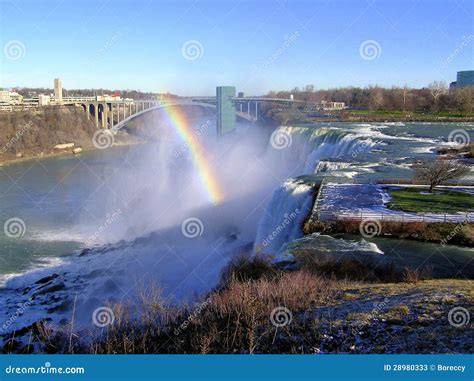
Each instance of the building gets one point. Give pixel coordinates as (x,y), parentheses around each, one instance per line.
(225,109)
(240,94)
(44,100)
(5,96)
(464,79)
(58,91)
(331,106)
(10,97)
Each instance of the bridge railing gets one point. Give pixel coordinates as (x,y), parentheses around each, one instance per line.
(322,215)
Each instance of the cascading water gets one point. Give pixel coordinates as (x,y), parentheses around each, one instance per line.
(281,222)
(291,202)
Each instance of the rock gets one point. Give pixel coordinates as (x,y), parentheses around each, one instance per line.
(53,288)
(19,155)
(64,146)
(77,150)
(85,252)
(47,279)
(62,307)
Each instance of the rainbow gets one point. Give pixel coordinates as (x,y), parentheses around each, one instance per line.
(177,120)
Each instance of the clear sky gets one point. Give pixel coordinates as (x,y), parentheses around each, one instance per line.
(255,45)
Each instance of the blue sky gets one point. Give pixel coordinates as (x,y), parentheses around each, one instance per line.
(255,45)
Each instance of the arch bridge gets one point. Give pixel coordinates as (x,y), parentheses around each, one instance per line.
(115,114)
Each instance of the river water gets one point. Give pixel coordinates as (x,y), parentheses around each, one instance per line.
(111,222)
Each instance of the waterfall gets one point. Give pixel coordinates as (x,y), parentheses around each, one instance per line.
(291,202)
(329,166)
(284,216)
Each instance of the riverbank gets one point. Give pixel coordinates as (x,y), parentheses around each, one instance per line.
(365,116)
(260,309)
(125,140)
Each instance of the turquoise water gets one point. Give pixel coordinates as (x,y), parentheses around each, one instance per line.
(53,197)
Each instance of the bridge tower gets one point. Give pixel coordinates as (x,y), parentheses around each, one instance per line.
(225,109)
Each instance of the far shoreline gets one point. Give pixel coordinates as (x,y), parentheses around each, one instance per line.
(5,162)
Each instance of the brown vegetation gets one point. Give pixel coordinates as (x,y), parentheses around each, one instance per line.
(281,312)
(29,133)
(440,232)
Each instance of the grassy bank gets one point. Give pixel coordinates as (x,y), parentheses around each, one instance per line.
(259,309)
(417,200)
(366,116)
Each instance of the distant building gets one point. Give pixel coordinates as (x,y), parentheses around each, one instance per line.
(328,106)
(225,109)
(240,94)
(463,79)
(58,91)
(10,97)
(44,100)
(5,96)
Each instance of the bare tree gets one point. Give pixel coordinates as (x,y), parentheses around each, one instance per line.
(439,171)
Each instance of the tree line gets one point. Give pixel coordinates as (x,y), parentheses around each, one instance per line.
(434,98)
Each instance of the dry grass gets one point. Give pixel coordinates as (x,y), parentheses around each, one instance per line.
(455,233)
(346,269)
(235,319)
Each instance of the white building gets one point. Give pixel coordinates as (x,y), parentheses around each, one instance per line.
(44,100)
(10,97)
